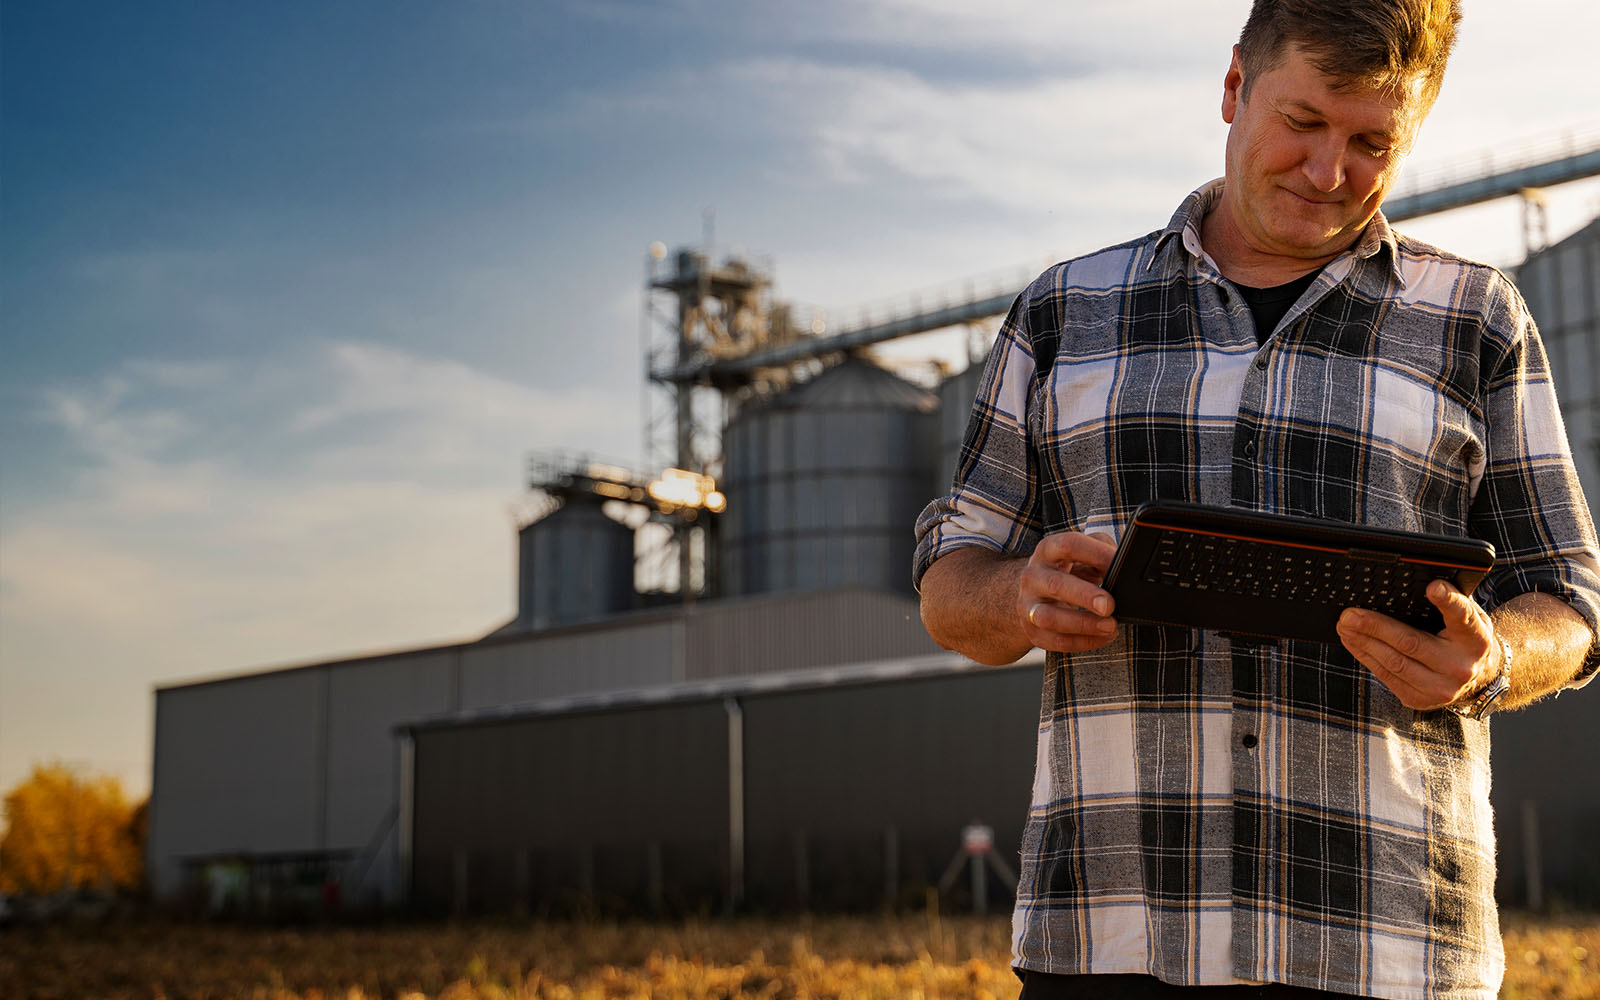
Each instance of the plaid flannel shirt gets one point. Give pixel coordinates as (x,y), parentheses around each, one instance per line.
(1216,812)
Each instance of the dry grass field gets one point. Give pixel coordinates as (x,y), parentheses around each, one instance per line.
(910,956)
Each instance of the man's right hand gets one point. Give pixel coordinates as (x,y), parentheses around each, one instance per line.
(1059,597)
(977,601)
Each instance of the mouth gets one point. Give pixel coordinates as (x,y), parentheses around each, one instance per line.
(1312,201)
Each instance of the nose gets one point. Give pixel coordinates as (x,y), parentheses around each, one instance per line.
(1324,165)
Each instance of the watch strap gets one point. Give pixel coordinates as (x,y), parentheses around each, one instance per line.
(1483,701)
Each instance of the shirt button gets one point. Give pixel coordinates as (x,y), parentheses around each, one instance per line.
(1261,362)
(1249,449)
(1249,741)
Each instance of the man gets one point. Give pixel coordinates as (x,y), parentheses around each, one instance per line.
(1216,817)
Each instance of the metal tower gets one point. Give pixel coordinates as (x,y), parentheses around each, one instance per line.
(697,312)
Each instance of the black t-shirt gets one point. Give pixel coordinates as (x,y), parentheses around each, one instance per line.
(1268,305)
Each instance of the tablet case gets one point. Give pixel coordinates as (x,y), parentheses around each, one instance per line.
(1278,576)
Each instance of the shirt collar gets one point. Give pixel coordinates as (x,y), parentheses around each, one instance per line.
(1376,244)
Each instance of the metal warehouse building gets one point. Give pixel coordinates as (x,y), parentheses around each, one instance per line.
(297,770)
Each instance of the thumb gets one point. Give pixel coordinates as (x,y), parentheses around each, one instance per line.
(1461,613)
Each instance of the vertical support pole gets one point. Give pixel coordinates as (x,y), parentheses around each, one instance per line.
(735,803)
(655,879)
(1532,858)
(891,867)
(455,680)
(406,846)
(691,311)
(1535,222)
(802,870)
(980,885)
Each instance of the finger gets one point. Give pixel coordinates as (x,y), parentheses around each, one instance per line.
(1064,548)
(1409,694)
(1043,582)
(1095,573)
(1047,617)
(1376,631)
(1371,650)
(1423,671)
(1395,671)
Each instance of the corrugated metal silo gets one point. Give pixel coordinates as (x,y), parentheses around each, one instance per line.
(1545,822)
(824,483)
(1562,287)
(956,394)
(576,565)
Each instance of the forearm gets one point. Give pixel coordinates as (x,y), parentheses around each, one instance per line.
(1549,641)
(969,604)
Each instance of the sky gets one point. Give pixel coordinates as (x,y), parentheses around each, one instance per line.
(289,291)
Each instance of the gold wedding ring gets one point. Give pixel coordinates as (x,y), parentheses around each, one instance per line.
(1031,620)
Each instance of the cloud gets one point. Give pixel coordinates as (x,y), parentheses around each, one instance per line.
(224,517)
(1106,35)
(182,461)
(1054,142)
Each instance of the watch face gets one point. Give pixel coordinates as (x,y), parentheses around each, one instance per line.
(1491,696)
(1484,701)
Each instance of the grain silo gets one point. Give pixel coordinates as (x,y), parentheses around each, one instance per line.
(575,565)
(1545,821)
(824,482)
(956,394)
(1562,287)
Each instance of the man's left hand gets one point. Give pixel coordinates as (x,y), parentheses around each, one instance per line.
(1426,671)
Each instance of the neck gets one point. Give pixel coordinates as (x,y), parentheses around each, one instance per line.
(1244,264)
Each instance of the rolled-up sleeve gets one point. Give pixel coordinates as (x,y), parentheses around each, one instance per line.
(994,498)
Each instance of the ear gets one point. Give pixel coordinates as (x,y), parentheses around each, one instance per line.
(1231,85)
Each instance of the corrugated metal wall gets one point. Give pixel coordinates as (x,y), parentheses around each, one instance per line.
(842,779)
(1540,776)
(619,807)
(304,759)
(853,792)
(775,635)
(568,806)
(626,654)
(1535,750)
(364,700)
(1562,287)
(238,767)
(956,395)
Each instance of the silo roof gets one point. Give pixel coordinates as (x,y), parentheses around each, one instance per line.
(856,383)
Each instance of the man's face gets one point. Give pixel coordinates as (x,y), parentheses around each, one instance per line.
(1308,165)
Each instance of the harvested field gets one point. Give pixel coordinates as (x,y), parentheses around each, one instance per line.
(913,956)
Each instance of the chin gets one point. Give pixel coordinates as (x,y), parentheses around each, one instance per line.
(1306,245)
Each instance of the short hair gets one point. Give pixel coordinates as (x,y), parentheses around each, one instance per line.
(1361,44)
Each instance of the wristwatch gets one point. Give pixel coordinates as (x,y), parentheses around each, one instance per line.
(1488,697)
